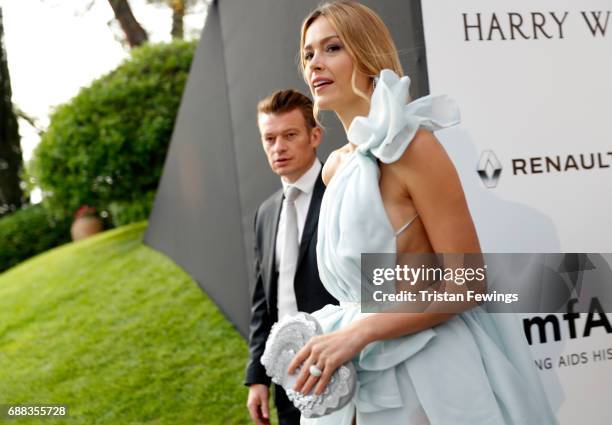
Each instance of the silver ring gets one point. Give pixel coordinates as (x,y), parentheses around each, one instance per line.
(315,371)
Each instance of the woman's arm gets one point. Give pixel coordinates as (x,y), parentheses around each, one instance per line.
(431,180)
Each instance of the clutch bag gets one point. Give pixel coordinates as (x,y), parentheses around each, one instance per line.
(286,338)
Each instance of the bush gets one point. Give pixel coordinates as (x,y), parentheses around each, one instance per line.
(108,144)
(123,213)
(28,232)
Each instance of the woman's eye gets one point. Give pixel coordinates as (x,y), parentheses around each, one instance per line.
(307,56)
(333,48)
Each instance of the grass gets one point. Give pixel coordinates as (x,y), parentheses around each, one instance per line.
(119,334)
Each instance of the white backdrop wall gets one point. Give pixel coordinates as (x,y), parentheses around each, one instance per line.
(533,80)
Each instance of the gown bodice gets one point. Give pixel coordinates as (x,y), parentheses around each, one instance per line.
(353,218)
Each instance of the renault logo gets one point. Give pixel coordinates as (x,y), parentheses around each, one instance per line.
(489,169)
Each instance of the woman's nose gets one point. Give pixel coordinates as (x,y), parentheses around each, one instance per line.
(316,63)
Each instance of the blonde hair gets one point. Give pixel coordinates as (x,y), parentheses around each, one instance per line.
(364,35)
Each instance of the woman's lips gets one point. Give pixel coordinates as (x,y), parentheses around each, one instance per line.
(322,87)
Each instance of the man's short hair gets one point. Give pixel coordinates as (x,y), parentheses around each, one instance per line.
(283,101)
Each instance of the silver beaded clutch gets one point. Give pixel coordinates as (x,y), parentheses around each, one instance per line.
(286,338)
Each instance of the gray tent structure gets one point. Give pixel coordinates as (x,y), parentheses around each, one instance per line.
(216,173)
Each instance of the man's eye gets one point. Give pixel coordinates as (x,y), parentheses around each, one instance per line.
(290,135)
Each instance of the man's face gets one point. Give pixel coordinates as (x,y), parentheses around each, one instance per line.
(288,144)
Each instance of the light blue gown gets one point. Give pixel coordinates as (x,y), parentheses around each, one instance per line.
(473,369)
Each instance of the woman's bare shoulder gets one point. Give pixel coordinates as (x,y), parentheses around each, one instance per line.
(424,161)
(424,142)
(424,148)
(333,163)
(424,157)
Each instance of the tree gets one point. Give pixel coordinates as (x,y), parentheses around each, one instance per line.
(179,9)
(134,32)
(178,15)
(107,145)
(11,162)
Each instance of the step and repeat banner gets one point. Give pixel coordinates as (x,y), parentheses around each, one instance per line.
(534,152)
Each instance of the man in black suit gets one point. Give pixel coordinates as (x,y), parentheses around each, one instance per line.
(286,274)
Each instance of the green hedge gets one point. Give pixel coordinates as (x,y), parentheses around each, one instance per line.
(28,232)
(123,213)
(108,144)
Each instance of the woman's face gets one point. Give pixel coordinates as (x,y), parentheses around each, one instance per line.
(328,68)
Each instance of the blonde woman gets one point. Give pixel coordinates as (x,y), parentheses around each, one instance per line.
(392,188)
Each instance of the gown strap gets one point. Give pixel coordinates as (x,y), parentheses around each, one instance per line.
(405,226)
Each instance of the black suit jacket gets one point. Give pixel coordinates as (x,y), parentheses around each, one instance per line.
(309,291)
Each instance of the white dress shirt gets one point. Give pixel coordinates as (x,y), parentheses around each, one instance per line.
(306,185)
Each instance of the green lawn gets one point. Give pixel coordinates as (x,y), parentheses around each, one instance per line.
(119,334)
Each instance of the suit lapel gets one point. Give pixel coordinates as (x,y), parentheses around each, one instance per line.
(312,218)
(270,247)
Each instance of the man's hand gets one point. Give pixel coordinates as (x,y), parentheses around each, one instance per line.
(257,403)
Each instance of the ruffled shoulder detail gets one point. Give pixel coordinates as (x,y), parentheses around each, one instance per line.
(392,123)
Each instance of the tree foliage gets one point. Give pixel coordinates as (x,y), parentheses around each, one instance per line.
(30,231)
(108,144)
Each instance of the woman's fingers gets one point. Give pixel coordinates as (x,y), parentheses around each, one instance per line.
(320,381)
(299,358)
(312,353)
(310,383)
(325,378)
(303,376)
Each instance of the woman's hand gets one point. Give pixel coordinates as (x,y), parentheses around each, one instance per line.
(328,352)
